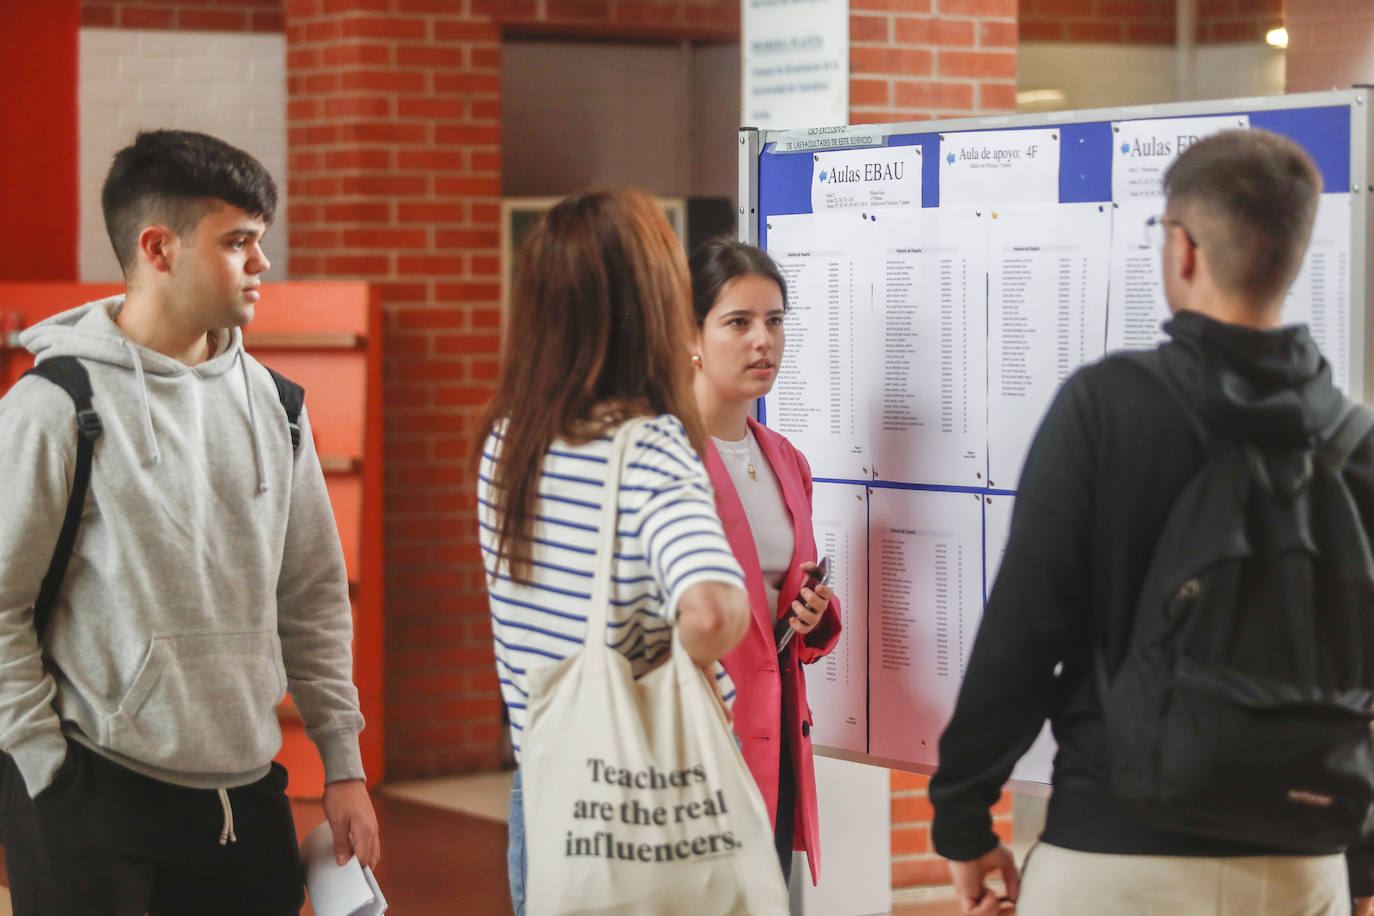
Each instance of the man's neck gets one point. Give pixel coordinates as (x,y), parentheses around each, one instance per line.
(1247,314)
(145,321)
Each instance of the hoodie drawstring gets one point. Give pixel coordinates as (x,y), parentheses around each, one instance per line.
(154,453)
(226,834)
(253,425)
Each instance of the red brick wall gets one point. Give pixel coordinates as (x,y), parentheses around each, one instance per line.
(916,59)
(1330,44)
(1146,21)
(394,176)
(204,15)
(914,862)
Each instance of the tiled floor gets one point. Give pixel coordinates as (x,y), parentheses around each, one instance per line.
(459,813)
(444,849)
(435,862)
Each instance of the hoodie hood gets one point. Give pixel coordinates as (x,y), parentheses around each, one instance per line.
(89,332)
(1266,386)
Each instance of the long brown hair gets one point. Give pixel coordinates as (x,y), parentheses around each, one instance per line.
(597,332)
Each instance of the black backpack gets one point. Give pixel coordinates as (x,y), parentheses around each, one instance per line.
(1242,708)
(68,374)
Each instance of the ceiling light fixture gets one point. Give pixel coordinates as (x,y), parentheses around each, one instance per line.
(1041,97)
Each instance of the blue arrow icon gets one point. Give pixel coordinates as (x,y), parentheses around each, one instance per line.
(822,176)
(1125,147)
(950,158)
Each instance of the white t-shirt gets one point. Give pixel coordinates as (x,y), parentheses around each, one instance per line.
(769,519)
(669,540)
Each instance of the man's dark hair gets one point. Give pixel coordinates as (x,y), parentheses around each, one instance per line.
(1248,198)
(169,177)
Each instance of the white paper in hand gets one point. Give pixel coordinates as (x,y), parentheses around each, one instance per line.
(348,890)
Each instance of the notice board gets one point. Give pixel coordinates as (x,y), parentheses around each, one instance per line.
(944,277)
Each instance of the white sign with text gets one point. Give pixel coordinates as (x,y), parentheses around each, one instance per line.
(1143,150)
(866,179)
(795,69)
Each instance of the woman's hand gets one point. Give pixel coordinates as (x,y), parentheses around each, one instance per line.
(811,606)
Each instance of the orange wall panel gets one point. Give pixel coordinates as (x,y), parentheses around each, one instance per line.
(38,121)
(346,496)
(335,388)
(311,307)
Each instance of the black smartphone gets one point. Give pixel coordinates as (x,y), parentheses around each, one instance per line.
(782,630)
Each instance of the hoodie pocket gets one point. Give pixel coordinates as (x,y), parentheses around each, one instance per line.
(202,703)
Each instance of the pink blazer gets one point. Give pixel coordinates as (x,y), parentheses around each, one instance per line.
(753,664)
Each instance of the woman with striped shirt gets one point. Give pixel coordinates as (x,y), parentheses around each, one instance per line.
(594,336)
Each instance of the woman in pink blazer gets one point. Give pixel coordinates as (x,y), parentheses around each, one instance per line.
(763,495)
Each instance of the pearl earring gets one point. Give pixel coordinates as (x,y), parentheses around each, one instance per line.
(696,360)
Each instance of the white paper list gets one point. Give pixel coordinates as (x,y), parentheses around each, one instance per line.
(818,400)
(1136,307)
(1320,295)
(996,529)
(837,685)
(999,167)
(1036,764)
(1047,315)
(929,298)
(925,601)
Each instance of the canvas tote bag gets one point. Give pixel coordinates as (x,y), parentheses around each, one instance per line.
(637,800)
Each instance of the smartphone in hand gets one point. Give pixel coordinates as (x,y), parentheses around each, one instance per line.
(782,629)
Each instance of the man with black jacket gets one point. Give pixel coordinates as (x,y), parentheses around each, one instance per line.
(1112,453)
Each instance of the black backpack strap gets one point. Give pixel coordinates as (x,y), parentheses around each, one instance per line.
(67,373)
(292,397)
(1353,426)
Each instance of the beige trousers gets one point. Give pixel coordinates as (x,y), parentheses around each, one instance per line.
(1063,882)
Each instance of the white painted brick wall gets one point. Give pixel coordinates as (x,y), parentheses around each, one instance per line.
(227,84)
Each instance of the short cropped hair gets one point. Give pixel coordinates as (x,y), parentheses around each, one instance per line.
(720,260)
(169,176)
(1253,195)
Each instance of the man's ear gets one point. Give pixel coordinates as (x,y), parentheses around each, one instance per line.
(1186,253)
(157,247)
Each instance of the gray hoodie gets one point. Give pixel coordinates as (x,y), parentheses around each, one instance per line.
(207,578)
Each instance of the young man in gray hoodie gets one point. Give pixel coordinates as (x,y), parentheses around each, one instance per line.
(207,578)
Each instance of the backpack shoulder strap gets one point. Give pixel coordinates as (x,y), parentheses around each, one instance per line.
(1151,364)
(292,397)
(67,373)
(1353,426)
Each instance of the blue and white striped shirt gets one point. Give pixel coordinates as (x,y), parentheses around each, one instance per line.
(669,539)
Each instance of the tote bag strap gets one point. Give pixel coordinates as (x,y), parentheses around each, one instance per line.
(605,551)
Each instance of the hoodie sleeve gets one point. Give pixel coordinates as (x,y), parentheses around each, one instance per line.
(315,620)
(38,444)
(1038,607)
(1359,474)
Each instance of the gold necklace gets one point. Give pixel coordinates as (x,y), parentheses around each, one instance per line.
(749,457)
